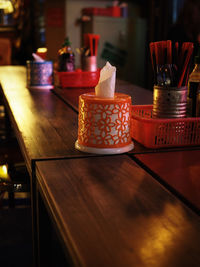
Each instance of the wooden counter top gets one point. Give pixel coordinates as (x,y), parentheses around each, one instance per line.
(138,94)
(179,171)
(44,125)
(110,212)
(107,209)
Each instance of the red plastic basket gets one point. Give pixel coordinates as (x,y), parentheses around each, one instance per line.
(77,78)
(157,133)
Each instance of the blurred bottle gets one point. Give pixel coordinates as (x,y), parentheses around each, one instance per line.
(193,98)
(66,58)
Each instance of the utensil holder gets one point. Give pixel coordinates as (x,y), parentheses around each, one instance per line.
(169,102)
(89,63)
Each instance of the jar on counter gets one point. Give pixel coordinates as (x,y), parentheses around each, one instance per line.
(66,57)
(193,98)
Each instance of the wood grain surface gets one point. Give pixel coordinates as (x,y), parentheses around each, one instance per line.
(110,212)
(44,125)
(139,95)
(180,170)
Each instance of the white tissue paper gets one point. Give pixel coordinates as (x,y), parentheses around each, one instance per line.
(106,85)
(37,58)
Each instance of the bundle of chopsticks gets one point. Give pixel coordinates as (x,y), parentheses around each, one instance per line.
(91,42)
(171,62)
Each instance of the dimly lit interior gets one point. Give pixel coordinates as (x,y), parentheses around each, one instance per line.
(99,133)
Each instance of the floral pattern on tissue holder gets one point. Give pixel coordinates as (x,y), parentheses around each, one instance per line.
(104,123)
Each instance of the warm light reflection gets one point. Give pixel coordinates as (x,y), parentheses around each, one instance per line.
(156,248)
(42,50)
(7,6)
(4,172)
(19,111)
(25,118)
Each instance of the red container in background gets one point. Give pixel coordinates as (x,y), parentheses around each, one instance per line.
(104,12)
(76,78)
(157,133)
(90,11)
(113,11)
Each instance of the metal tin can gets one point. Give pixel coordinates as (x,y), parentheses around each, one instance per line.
(89,63)
(169,102)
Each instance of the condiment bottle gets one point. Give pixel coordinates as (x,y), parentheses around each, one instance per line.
(66,58)
(193,98)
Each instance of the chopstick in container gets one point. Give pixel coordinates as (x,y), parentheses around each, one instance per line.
(186,57)
(153,60)
(96,40)
(91,44)
(171,63)
(169,52)
(91,40)
(159,52)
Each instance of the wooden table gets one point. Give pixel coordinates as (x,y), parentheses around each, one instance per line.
(105,209)
(45,126)
(139,95)
(124,203)
(110,212)
(179,171)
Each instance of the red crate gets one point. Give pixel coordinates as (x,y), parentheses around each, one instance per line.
(114,11)
(104,12)
(157,133)
(77,78)
(90,11)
